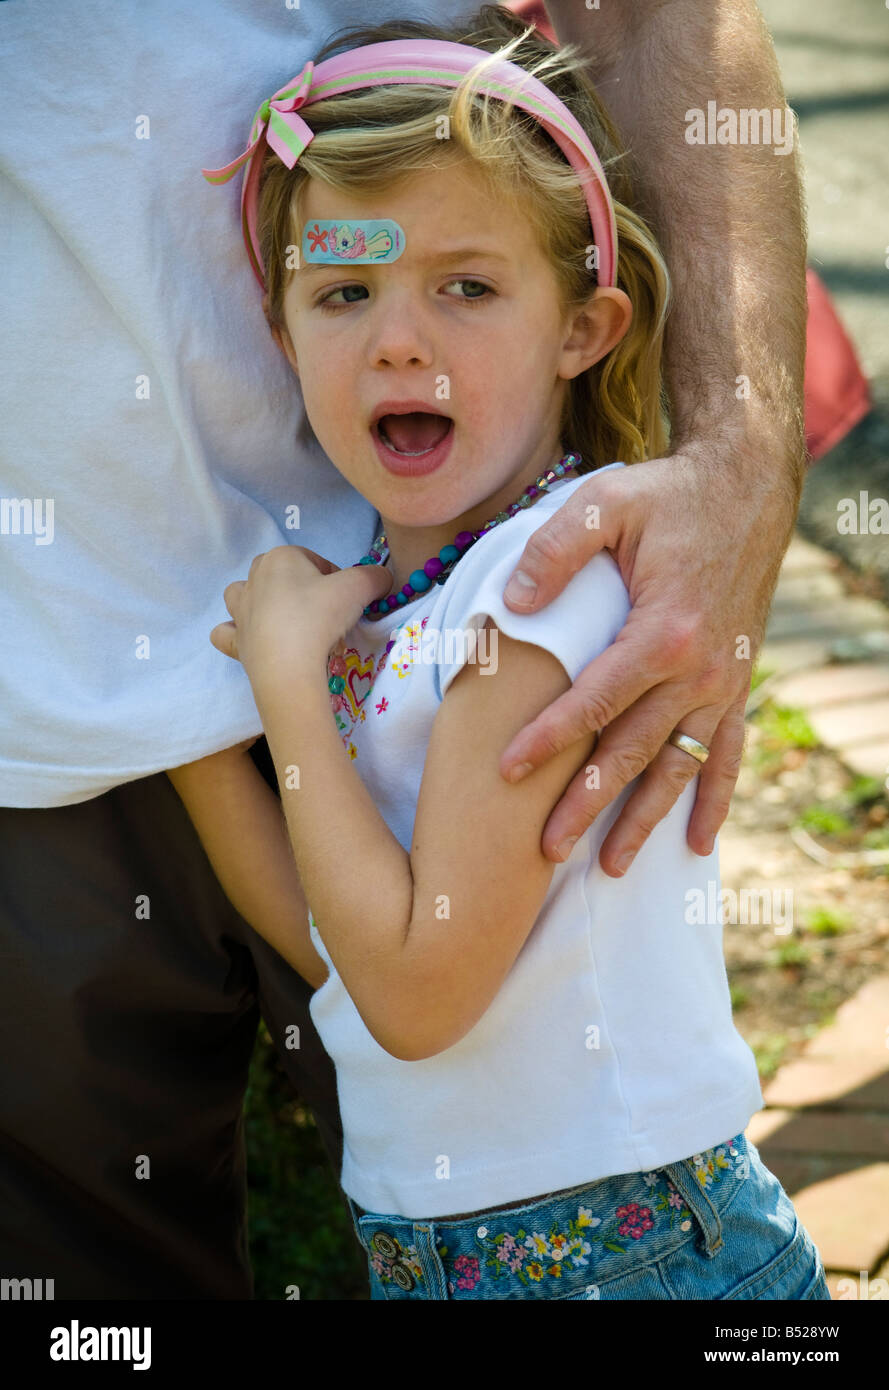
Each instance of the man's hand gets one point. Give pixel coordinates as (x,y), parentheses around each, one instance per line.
(699,540)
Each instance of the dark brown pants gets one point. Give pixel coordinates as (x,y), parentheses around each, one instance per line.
(126,1038)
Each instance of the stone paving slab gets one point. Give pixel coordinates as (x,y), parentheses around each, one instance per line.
(847,1216)
(814,628)
(860,1133)
(869,759)
(848,726)
(825,1135)
(836,684)
(840,617)
(846,1063)
(860,1028)
(850,1083)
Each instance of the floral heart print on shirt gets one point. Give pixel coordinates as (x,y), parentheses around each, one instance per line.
(356,676)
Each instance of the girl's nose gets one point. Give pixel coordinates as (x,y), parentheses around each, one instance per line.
(400,335)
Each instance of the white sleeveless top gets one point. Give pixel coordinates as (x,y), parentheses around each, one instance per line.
(610,1047)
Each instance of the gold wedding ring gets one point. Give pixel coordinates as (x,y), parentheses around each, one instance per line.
(689,745)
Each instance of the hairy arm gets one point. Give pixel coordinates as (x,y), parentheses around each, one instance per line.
(699,538)
(729,217)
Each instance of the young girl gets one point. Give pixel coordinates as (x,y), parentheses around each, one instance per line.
(542,1090)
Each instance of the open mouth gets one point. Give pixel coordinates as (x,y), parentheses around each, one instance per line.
(414,434)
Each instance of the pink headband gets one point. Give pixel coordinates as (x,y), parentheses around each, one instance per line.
(423,61)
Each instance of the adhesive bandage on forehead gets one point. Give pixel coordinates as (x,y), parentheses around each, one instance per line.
(359,241)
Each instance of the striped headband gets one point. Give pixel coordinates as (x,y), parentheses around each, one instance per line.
(422,61)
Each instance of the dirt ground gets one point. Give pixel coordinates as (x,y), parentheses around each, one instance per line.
(795,799)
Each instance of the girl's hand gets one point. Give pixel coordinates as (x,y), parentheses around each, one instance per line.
(292,608)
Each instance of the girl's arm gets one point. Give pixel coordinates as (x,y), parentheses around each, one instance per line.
(423,941)
(242,828)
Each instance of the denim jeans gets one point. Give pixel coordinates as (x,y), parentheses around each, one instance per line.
(717,1225)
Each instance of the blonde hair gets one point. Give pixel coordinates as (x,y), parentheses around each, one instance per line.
(369,140)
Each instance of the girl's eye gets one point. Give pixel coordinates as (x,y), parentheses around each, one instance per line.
(325,303)
(474,298)
(328,304)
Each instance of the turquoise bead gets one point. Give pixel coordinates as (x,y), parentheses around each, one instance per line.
(448,554)
(419,581)
(336,684)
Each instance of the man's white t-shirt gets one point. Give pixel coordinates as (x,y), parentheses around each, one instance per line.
(154,439)
(610,1046)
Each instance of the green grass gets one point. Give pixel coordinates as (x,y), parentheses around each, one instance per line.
(768,1049)
(787,727)
(865,790)
(824,821)
(824,921)
(780,728)
(760,674)
(789,953)
(299,1227)
(739,996)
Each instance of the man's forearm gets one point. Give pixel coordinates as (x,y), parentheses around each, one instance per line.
(729,217)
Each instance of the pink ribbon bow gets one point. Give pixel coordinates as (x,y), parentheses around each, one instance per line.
(286,132)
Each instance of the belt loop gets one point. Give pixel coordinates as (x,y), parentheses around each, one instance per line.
(430,1262)
(698,1203)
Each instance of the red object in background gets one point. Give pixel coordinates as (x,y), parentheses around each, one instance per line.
(835,391)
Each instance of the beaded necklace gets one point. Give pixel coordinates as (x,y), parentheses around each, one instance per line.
(438,567)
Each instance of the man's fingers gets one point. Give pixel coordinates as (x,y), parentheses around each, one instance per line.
(610,684)
(660,787)
(718,777)
(585,524)
(635,744)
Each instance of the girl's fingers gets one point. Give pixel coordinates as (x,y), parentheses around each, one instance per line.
(231,595)
(225,639)
(321,563)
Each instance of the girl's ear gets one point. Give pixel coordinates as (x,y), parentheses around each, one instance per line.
(595,330)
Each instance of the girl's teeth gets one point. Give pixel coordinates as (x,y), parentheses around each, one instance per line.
(405,453)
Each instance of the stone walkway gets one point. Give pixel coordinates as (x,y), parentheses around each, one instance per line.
(830,653)
(825,1129)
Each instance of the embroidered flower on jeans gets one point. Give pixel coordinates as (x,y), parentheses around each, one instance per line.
(634,1220)
(538,1256)
(467,1270)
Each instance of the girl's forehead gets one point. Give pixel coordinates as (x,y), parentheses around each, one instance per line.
(429,193)
(436,208)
